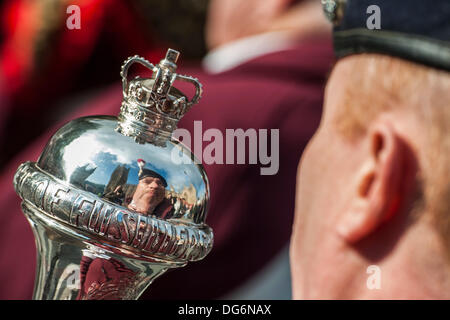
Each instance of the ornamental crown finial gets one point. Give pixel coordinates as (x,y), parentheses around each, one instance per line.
(152,107)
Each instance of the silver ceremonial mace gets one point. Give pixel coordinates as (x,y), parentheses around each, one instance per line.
(116,202)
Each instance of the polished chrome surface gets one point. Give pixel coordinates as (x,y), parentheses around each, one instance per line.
(112,210)
(90,155)
(71,267)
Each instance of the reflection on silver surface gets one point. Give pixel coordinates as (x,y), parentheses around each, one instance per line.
(109,208)
(70,269)
(89,154)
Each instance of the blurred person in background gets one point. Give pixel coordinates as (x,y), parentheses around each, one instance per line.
(266,67)
(373,199)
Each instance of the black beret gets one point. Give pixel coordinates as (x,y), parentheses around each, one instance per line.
(416,30)
(150,173)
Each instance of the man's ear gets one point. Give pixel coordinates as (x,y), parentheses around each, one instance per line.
(378,184)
